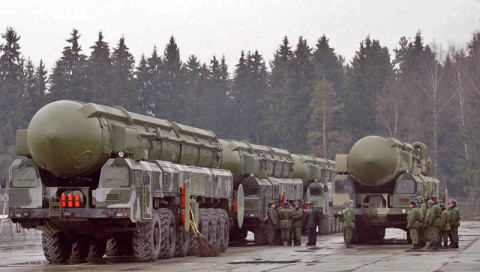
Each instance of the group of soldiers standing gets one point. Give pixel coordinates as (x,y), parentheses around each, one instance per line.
(285,224)
(433,222)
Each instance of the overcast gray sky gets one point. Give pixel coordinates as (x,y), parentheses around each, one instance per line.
(207,28)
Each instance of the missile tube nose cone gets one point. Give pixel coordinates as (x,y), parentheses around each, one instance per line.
(64,141)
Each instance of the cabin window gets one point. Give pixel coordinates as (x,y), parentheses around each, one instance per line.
(343,187)
(250,189)
(316,191)
(405,186)
(114,177)
(24,177)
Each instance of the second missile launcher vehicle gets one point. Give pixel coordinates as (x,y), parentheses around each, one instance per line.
(382,175)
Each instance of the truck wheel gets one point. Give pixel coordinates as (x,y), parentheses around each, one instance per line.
(97,248)
(80,249)
(56,247)
(205,225)
(260,234)
(167,235)
(324,226)
(146,239)
(182,242)
(116,246)
(216,227)
(193,244)
(224,229)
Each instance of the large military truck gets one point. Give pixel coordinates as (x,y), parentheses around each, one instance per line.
(317,175)
(382,175)
(100,179)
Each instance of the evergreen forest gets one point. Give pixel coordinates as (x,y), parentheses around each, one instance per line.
(305,98)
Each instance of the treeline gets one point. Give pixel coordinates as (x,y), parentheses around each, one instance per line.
(305,96)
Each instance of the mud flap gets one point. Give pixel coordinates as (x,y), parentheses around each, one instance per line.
(185,205)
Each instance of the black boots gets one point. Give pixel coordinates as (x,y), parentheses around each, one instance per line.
(453,246)
(349,246)
(445,246)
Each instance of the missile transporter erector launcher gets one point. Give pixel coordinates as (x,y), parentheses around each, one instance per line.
(94,173)
(382,175)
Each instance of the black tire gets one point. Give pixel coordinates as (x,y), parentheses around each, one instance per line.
(56,247)
(117,246)
(205,225)
(80,249)
(97,248)
(193,244)
(216,228)
(224,229)
(167,234)
(260,234)
(324,227)
(182,242)
(146,239)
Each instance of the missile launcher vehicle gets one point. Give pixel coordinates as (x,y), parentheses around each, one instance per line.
(382,175)
(101,180)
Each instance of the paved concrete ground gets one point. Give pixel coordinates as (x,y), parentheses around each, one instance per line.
(329,255)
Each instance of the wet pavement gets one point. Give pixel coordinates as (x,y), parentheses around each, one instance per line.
(391,254)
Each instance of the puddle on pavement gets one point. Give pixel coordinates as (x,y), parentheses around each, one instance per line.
(30,263)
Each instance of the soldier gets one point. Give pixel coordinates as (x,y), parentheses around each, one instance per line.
(426,224)
(434,223)
(311,221)
(297,224)
(273,225)
(423,230)
(285,216)
(414,219)
(454,223)
(348,223)
(444,225)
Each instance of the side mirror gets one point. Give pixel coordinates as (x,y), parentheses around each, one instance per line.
(4,183)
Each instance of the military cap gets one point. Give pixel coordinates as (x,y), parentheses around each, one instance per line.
(272,202)
(433,198)
(420,199)
(413,202)
(440,202)
(296,203)
(349,202)
(429,203)
(453,201)
(442,205)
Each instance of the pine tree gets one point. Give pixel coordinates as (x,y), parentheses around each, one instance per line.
(174,98)
(99,73)
(11,95)
(123,83)
(68,80)
(324,105)
(370,69)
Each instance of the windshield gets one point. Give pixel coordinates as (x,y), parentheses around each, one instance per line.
(24,177)
(405,187)
(113,177)
(343,187)
(316,191)
(250,189)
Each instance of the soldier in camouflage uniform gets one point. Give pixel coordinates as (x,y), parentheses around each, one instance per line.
(434,224)
(414,225)
(348,223)
(273,224)
(454,223)
(426,224)
(444,225)
(297,216)
(285,216)
(423,230)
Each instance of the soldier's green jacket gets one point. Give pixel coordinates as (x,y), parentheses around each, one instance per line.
(273,216)
(414,219)
(285,216)
(434,218)
(455,217)
(427,219)
(297,216)
(349,218)
(424,209)
(445,220)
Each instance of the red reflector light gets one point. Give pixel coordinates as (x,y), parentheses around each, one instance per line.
(70,201)
(63,201)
